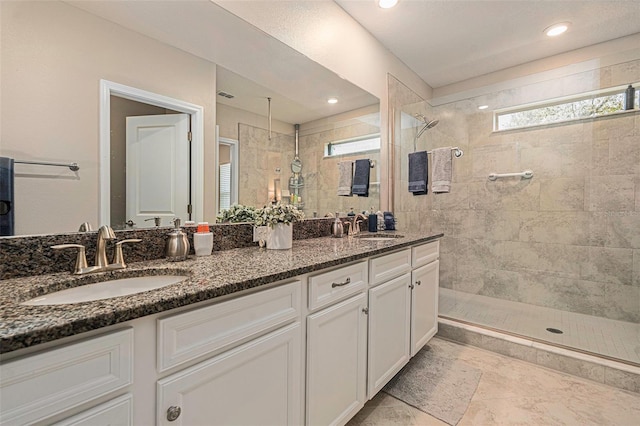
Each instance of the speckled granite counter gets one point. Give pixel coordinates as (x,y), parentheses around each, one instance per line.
(220,274)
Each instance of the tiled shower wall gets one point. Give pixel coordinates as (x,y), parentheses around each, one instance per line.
(567,239)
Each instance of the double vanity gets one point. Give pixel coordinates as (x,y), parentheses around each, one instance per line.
(246,336)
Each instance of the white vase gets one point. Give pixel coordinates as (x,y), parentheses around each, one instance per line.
(280,237)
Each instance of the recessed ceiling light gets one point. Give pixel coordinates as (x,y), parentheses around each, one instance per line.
(387,4)
(332,100)
(483,107)
(557,29)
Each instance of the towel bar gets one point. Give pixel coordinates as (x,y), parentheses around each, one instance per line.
(527,174)
(72,166)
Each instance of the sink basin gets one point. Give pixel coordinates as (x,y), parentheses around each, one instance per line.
(105,290)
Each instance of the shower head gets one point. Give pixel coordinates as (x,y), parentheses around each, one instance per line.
(428,124)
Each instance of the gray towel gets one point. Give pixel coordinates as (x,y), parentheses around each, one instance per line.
(7,204)
(361,178)
(345,178)
(441,170)
(418,172)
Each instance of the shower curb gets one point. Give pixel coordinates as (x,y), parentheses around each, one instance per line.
(605,371)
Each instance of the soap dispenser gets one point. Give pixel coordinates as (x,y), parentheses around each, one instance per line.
(337,230)
(177,247)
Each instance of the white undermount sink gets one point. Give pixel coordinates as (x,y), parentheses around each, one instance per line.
(105,290)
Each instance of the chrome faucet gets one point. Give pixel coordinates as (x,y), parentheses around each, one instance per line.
(354,229)
(102,264)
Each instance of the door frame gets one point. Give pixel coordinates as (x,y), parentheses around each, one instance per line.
(110,88)
(235,158)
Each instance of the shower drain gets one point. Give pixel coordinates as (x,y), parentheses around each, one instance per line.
(554,330)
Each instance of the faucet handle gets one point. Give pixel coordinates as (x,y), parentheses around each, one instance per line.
(81,259)
(118,258)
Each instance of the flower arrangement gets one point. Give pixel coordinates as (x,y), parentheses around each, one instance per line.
(237,213)
(278,213)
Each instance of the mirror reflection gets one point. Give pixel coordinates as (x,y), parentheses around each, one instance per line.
(51,112)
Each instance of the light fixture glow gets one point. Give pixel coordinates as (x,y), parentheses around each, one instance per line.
(483,107)
(387,4)
(332,100)
(557,29)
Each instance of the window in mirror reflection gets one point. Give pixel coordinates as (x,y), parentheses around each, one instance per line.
(361,144)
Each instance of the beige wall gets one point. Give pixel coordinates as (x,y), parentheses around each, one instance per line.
(569,238)
(228,118)
(53,57)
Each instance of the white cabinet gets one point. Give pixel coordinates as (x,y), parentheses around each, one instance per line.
(336,362)
(117,412)
(389,316)
(257,383)
(424,305)
(41,386)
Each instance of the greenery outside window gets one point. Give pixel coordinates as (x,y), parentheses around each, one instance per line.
(584,106)
(353,145)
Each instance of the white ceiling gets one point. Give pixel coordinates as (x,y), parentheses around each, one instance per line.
(448,41)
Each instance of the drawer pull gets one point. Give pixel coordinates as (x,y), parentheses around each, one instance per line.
(347,281)
(173,413)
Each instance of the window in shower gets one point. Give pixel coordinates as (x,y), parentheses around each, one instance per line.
(352,146)
(587,105)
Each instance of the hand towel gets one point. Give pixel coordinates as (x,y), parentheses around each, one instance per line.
(361,178)
(441,170)
(418,172)
(345,178)
(6,197)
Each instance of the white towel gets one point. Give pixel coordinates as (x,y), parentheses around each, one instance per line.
(345,178)
(441,170)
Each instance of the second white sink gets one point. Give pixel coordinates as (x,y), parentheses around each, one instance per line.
(105,290)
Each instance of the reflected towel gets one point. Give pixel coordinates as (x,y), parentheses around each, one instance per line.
(418,172)
(441,170)
(7,224)
(361,178)
(345,178)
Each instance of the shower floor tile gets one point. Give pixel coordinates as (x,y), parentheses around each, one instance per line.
(610,338)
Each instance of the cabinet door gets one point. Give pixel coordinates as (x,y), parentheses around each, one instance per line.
(257,383)
(424,305)
(389,316)
(336,362)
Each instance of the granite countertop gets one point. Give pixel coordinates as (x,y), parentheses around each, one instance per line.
(212,276)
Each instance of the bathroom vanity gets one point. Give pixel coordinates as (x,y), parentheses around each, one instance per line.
(252,336)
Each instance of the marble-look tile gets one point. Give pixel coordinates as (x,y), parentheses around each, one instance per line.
(636,269)
(623,229)
(493,159)
(562,193)
(545,161)
(611,265)
(459,335)
(561,260)
(503,225)
(505,194)
(512,350)
(570,228)
(610,193)
(622,379)
(572,366)
(622,302)
(479,253)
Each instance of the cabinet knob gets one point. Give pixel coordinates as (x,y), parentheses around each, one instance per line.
(418,282)
(365,310)
(173,413)
(411,286)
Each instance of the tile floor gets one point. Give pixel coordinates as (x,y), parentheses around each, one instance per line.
(616,339)
(514,392)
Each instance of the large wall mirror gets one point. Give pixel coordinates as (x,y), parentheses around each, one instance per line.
(56,53)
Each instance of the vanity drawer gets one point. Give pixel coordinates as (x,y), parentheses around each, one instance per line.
(329,287)
(42,385)
(425,253)
(389,266)
(212,329)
